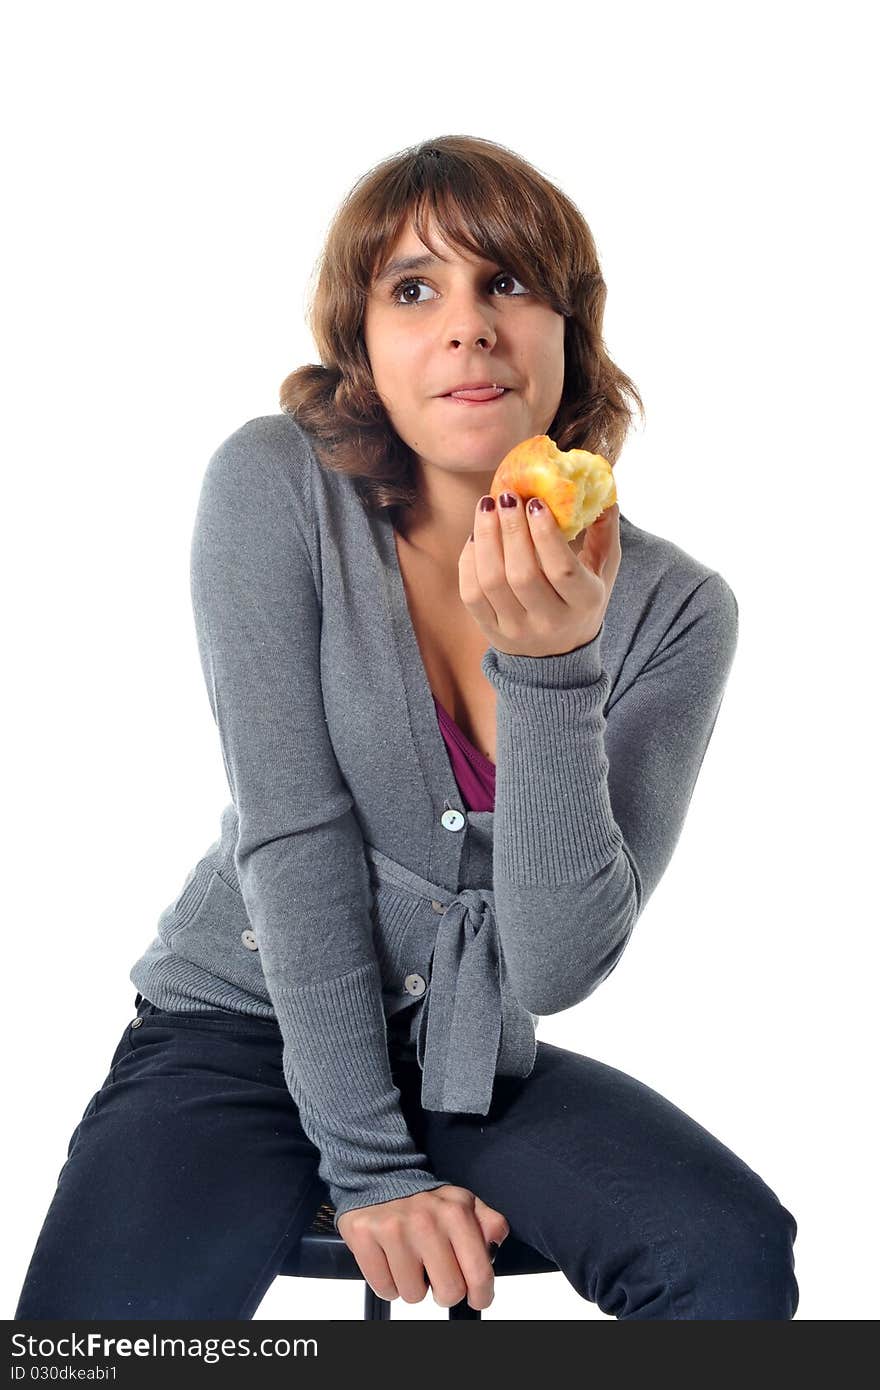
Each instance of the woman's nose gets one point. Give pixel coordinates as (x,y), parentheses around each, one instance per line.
(469,323)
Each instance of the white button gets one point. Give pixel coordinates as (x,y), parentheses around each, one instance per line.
(438,907)
(414,984)
(452,820)
(249,940)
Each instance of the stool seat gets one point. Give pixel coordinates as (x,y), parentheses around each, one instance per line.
(322,1254)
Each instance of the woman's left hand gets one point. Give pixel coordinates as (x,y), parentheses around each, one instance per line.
(529,591)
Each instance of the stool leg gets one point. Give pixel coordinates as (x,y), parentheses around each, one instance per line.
(376,1309)
(463,1310)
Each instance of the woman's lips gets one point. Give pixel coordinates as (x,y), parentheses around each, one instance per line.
(480,397)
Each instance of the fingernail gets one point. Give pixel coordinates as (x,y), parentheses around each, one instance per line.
(507,499)
(493,1250)
(535,505)
(487,504)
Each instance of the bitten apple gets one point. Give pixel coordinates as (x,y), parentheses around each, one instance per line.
(576,485)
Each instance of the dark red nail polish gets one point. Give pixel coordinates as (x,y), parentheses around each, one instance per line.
(507,499)
(487,504)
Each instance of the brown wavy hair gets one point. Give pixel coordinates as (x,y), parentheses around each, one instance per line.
(489,202)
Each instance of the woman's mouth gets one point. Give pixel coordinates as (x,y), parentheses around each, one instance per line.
(484,396)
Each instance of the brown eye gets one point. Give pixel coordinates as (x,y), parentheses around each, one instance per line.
(408,283)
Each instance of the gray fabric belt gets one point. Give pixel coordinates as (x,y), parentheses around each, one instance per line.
(472,1026)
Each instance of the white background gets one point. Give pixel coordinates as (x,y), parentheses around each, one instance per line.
(170,172)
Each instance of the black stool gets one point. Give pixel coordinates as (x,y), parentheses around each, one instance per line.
(323,1254)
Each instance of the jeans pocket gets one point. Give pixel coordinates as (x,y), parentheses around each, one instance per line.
(89,1110)
(123,1048)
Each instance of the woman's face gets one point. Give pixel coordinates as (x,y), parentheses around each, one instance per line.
(431,327)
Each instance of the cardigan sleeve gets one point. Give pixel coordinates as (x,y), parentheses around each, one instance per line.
(300,858)
(589,808)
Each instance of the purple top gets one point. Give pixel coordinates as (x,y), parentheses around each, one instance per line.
(474,772)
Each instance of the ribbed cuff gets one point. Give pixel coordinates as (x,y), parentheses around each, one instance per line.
(580,667)
(344,1200)
(336,1065)
(553,818)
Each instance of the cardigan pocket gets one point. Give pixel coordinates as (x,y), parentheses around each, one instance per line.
(218,937)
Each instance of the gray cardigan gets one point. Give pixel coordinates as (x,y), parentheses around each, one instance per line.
(351,891)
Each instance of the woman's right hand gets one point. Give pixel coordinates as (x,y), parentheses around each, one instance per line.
(443,1233)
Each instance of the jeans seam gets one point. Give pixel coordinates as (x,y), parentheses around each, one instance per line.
(318,1187)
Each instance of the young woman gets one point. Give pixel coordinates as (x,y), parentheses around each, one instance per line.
(460,752)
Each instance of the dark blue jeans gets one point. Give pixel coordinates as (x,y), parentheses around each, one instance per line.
(189,1178)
